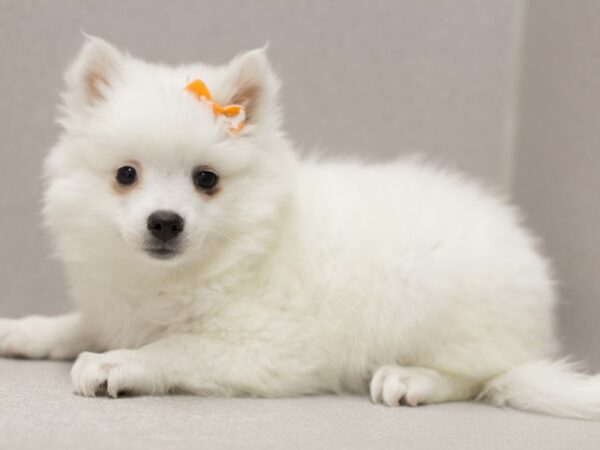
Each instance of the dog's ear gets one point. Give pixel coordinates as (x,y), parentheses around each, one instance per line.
(251,82)
(93,73)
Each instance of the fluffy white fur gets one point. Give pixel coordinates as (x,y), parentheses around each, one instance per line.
(297,276)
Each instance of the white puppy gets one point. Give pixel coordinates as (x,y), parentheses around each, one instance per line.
(218,263)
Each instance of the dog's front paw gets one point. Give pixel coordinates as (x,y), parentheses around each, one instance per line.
(29,337)
(114,373)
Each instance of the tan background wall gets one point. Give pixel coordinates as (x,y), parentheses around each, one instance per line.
(557,178)
(443,75)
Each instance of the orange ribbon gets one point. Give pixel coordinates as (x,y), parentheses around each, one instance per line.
(235,114)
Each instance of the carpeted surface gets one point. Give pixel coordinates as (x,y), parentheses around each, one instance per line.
(39,410)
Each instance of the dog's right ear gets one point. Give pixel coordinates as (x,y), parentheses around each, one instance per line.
(93,73)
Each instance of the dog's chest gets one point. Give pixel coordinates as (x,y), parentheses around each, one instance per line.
(134,317)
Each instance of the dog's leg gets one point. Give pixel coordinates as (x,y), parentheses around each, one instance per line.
(412,386)
(195,364)
(60,337)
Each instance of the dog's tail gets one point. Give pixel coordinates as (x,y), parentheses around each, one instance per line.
(551,387)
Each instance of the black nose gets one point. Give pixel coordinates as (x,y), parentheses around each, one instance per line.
(165,225)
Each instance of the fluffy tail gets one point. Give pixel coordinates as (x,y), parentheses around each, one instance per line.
(556,388)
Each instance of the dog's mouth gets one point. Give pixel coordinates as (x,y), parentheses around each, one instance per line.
(162,250)
(162,253)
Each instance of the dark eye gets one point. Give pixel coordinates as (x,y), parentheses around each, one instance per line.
(126,175)
(205,179)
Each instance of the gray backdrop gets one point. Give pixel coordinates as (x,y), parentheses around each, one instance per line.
(507,91)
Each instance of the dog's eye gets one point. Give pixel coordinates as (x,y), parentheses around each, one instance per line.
(205,179)
(126,175)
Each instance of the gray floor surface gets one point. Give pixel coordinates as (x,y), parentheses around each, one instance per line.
(38,410)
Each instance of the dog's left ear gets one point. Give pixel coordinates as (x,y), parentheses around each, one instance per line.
(251,83)
(93,73)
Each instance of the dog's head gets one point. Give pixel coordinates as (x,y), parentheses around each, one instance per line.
(145,168)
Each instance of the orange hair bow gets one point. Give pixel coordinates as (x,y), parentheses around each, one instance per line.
(234,115)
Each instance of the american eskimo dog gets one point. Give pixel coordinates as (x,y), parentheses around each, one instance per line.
(205,256)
